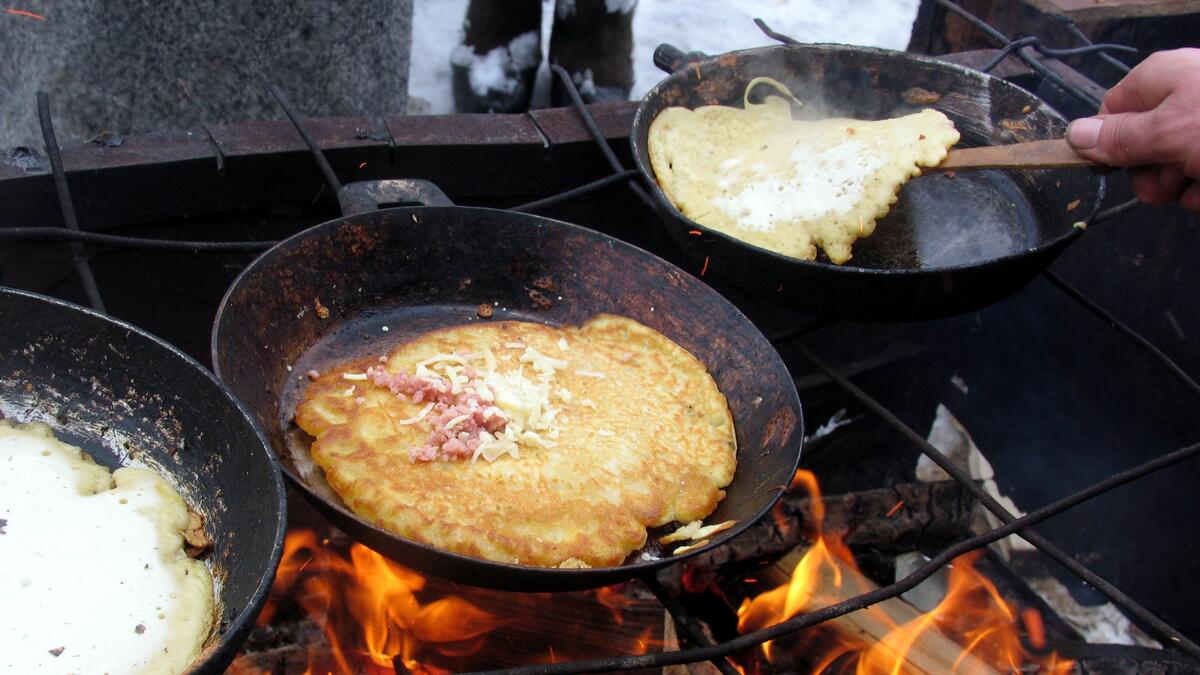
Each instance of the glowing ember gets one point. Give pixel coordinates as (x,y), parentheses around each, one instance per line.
(973,629)
(21,12)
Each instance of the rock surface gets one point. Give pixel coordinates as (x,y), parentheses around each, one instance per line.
(126,66)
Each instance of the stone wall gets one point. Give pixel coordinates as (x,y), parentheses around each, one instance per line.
(124,66)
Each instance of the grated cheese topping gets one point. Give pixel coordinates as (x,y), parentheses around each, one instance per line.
(523,398)
(418,417)
(690,547)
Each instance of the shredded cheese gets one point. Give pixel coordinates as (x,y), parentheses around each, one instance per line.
(590,373)
(422,368)
(357,377)
(684,533)
(690,547)
(545,365)
(522,398)
(710,530)
(420,416)
(562,344)
(604,432)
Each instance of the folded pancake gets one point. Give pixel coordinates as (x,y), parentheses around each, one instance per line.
(572,443)
(787,185)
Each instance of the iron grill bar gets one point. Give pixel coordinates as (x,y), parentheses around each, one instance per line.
(1033,63)
(594,130)
(809,619)
(331,178)
(1044,545)
(57,234)
(82,267)
(786,335)
(689,631)
(1074,28)
(1036,43)
(1124,329)
(1114,211)
(575,192)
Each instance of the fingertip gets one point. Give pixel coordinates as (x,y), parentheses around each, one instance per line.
(1143,180)
(1147,184)
(1171,177)
(1190,197)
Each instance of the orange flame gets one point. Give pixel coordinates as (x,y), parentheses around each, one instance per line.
(612,598)
(368,607)
(973,613)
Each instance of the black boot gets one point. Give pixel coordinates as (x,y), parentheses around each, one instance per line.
(595,46)
(495,66)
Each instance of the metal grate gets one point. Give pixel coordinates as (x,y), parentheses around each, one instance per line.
(702,649)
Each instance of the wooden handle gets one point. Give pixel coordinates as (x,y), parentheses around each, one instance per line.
(1054,154)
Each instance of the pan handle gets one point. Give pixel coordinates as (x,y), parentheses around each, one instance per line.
(372,195)
(670,58)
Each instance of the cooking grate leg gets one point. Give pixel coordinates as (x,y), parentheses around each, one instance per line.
(82,267)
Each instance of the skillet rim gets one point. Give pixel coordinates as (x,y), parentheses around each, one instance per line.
(565,579)
(639,140)
(229,640)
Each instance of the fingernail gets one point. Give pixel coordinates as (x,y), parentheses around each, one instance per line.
(1084,134)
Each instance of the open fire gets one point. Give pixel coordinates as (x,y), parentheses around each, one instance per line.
(972,630)
(368,608)
(375,616)
(339,607)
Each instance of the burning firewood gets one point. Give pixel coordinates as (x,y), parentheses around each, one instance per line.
(883,633)
(917,516)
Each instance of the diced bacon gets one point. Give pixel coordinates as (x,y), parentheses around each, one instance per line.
(455,448)
(459,414)
(425,453)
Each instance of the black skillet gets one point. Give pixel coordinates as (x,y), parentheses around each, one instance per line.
(948,245)
(384,275)
(120,393)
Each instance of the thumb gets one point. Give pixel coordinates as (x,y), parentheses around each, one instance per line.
(1124,139)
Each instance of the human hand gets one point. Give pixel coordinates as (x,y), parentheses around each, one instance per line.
(1150,122)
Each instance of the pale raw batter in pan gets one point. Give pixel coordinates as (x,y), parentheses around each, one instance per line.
(787,185)
(93,575)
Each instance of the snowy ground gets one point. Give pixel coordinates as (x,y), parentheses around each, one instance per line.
(712,26)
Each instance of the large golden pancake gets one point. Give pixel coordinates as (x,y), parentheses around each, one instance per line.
(629,432)
(789,185)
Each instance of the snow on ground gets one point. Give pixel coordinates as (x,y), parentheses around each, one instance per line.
(712,26)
